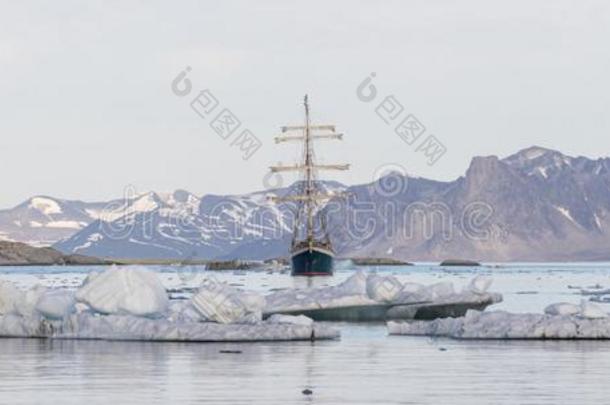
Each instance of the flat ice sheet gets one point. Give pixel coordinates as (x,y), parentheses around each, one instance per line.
(506,325)
(125,327)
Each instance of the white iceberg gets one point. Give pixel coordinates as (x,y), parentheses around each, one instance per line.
(129,290)
(413,288)
(441,289)
(26,304)
(480,284)
(128,327)
(10,296)
(591,311)
(383,289)
(56,304)
(114,315)
(354,285)
(562,308)
(219,302)
(351,292)
(289,319)
(362,298)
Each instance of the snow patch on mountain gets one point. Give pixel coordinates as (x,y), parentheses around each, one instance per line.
(95,237)
(598,222)
(45,205)
(566,213)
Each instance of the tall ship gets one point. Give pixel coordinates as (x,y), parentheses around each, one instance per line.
(311,251)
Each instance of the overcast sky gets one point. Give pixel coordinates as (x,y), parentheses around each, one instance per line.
(87,107)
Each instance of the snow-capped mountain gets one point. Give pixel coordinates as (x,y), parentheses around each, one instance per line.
(537,204)
(249,226)
(42,220)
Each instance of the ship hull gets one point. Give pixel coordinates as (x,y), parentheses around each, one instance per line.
(314,262)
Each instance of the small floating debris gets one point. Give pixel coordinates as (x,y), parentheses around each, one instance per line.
(234,265)
(231,351)
(369,261)
(459,262)
(278,289)
(595,292)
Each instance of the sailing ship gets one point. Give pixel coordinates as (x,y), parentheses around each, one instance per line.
(311,253)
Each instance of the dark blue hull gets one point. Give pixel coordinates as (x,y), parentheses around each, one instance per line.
(313,262)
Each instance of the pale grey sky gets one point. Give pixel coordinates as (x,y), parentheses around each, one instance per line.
(86,106)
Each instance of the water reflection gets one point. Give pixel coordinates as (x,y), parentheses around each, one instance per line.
(365,367)
(313,282)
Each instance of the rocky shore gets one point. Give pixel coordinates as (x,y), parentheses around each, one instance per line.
(20,254)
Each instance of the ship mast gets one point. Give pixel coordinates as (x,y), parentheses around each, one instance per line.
(309,175)
(309,195)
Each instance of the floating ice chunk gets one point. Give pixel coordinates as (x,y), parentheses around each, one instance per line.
(81,307)
(383,289)
(250,318)
(410,287)
(354,285)
(562,308)
(595,292)
(346,301)
(480,284)
(127,327)
(591,311)
(218,305)
(183,311)
(293,320)
(505,325)
(403,301)
(317,298)
(128,290)
(9,297)
(218,302)
(254,302)
(349,293)
(413,293)
(440,289)
(26,305)
(56,304)
(90,277)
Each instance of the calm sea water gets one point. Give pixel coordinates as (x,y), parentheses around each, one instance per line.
(366,366)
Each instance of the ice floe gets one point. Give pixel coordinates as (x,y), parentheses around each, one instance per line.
(9,297)
(380,298)
(562,308)
(219,302)
(134,291)
(56,304)
(131,304)
(289,319)
(561,321)
(127,327)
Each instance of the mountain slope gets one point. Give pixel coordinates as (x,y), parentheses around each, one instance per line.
(20,254)
(535,205)
(42,220)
